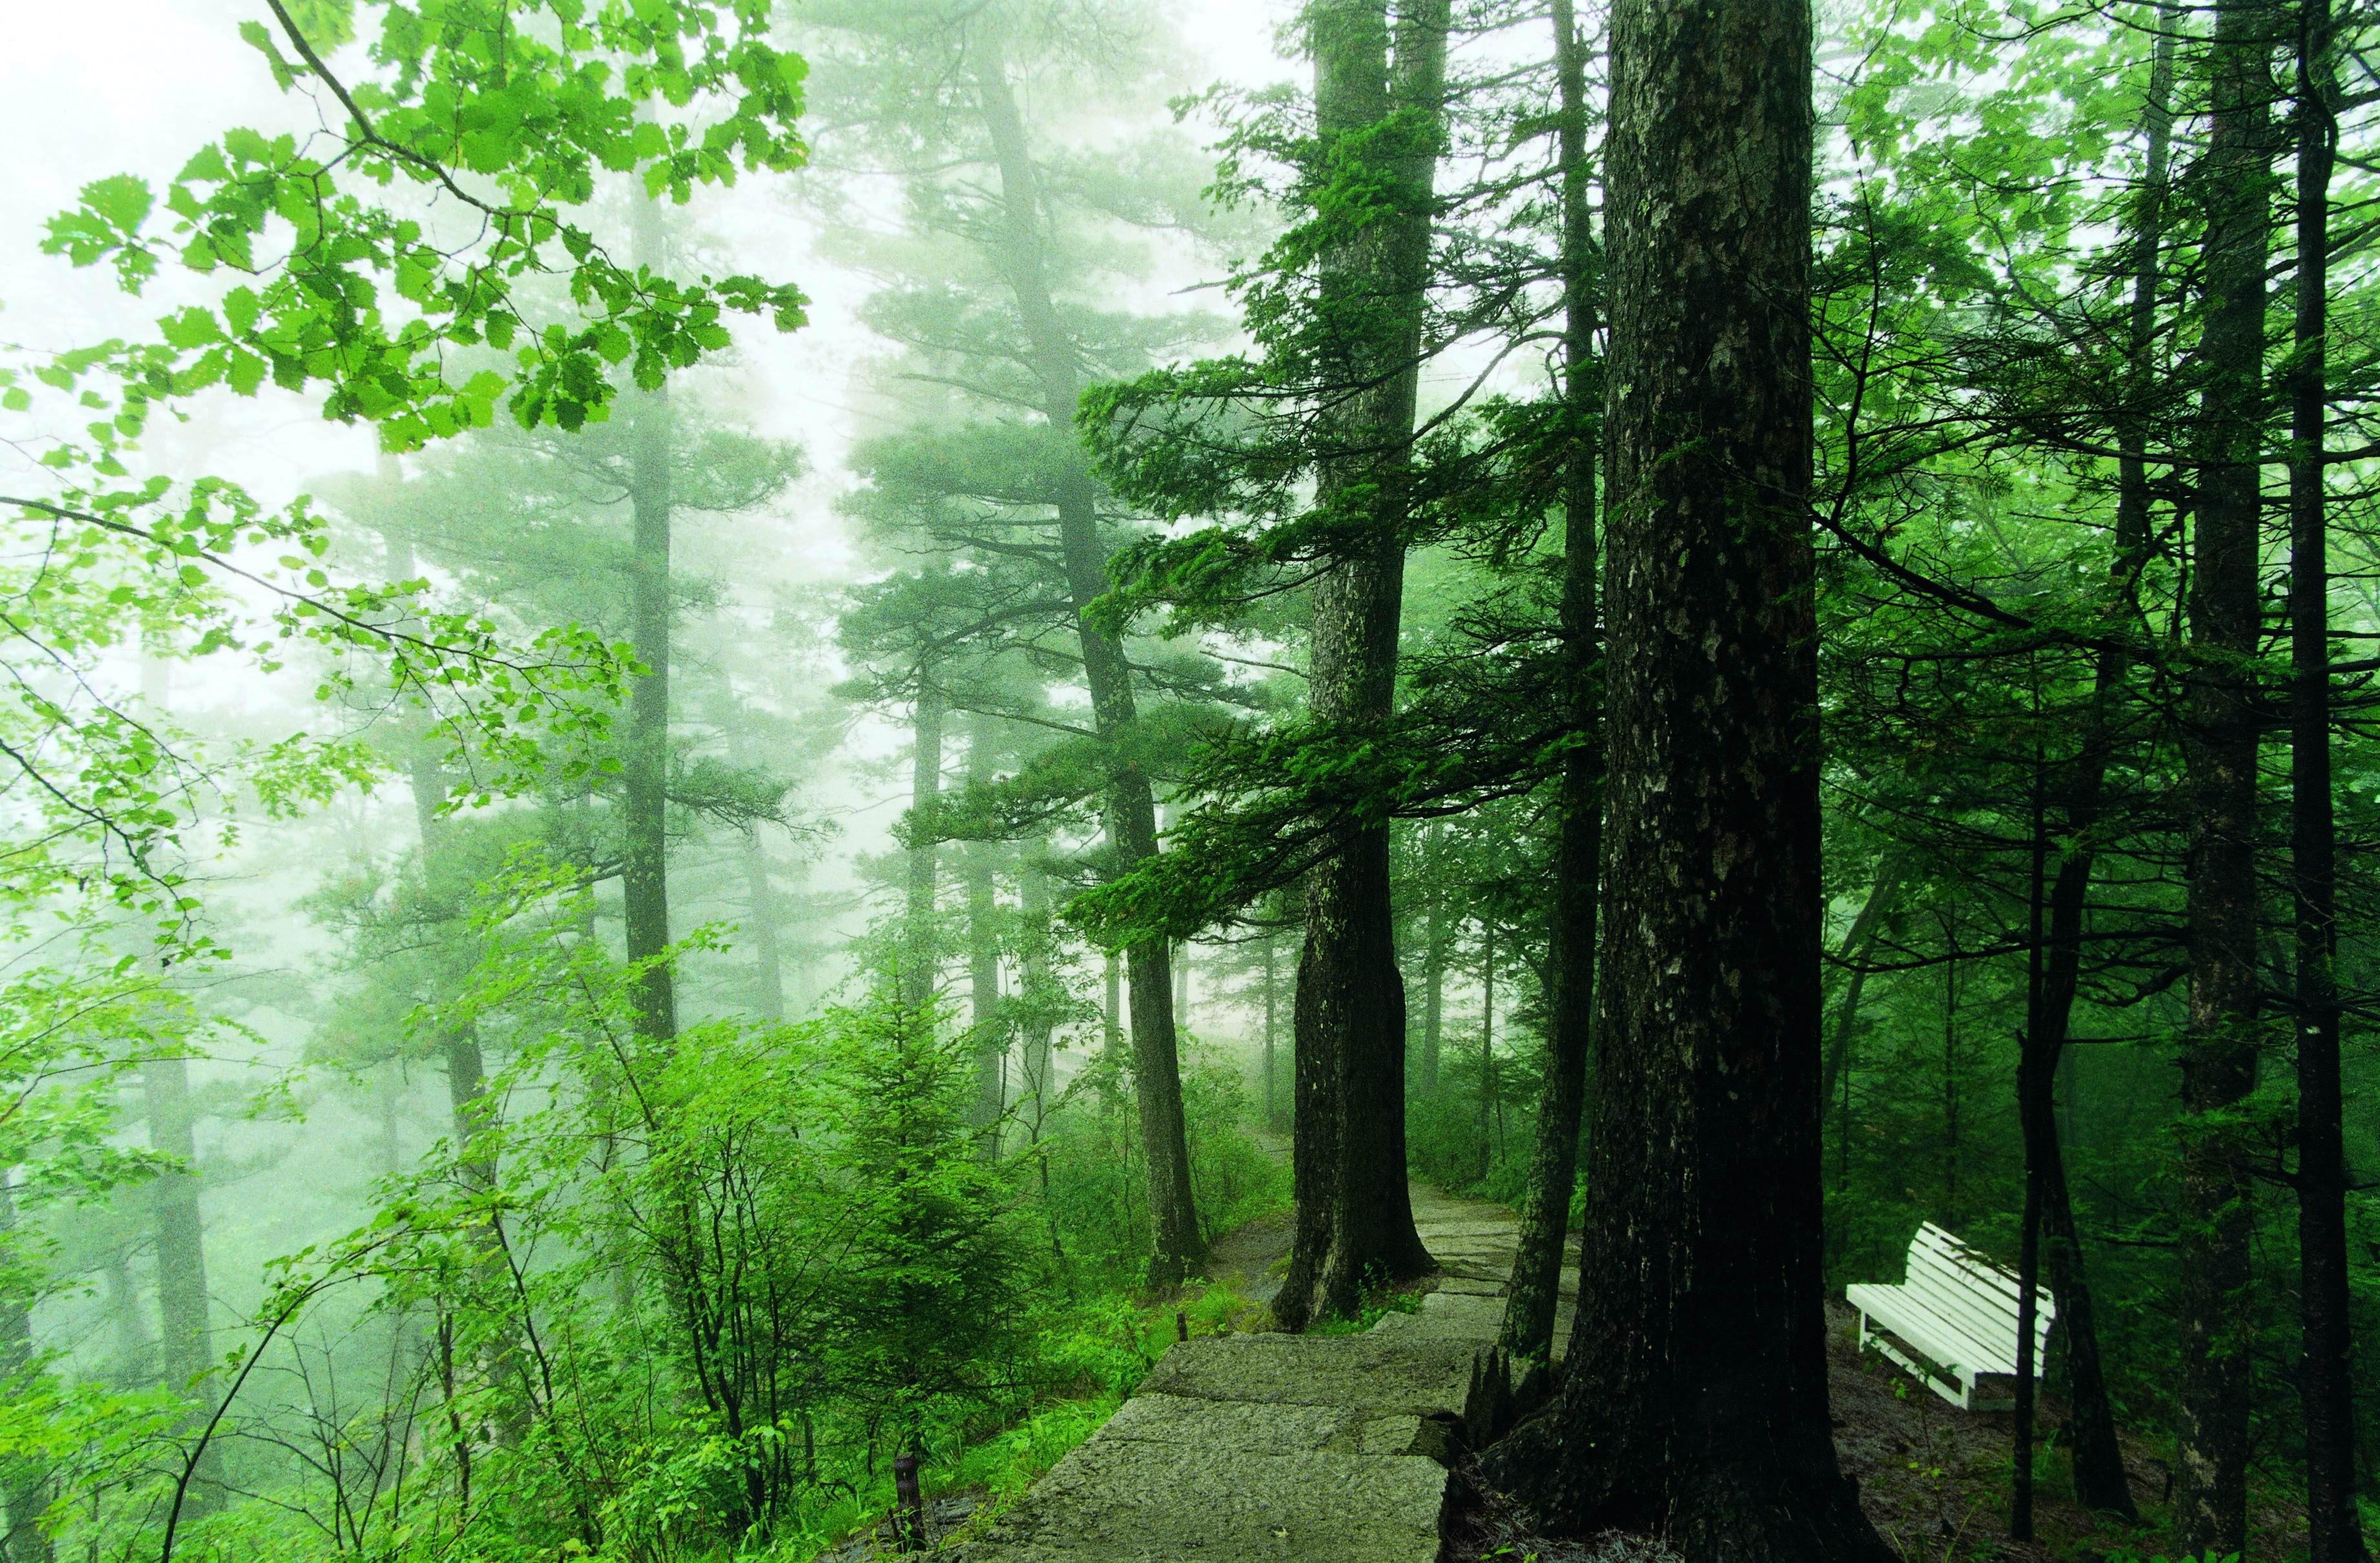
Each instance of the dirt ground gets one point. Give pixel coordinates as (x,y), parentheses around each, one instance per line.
(1933,1478)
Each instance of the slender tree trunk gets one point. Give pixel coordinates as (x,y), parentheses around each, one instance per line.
(185,1337)
(1534,1294)
(1487,1049)
(983,957)
(920,931)
(1864,924)
(2219,1061)
(1696,1402)
(767,960)
(1035,987)
(1111,1010)
(2033,1074)
(1178,1247)
(1355,1215)
(1433,990)
(644,868)
(24,1483)
(2326,1384)
(1271,1029)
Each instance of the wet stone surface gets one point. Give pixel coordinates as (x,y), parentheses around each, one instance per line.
(1262,1448)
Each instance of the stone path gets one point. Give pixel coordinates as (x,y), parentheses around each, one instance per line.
(1263,1448)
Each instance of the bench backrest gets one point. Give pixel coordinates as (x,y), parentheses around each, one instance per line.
(1976,1294)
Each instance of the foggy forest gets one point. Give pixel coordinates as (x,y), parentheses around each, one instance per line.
(1113,781)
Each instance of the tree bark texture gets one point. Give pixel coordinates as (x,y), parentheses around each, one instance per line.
(2219,1060)
(1696,1402)
(644,866)
(1354,1225)
(1178,1248)
(1533,1297)
(2324,1384)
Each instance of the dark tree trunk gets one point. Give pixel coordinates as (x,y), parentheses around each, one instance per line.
(2034,1071)
(2324,1381)
(2219,1060)
(985,1028)
(768,959)
(24,1483)
(644,866)
(1864,924)
(1178,1248)
(2100,1479)
(1534,1294)
(1355,1224)
(920,948)
(1695,1401)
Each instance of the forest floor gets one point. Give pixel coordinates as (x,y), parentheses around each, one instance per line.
(1933,1480)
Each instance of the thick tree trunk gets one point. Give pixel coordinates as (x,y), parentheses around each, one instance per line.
(1695,1401)
(1354,1225)
(985,1032)
(921,942)
(24,1485)
(644,867)
(1535,1292)
(1178,1247)
(2325,1386)
(2219,1060)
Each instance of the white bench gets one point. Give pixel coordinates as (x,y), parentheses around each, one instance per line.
(1955,1321)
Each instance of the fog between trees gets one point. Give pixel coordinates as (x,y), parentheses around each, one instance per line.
(723,721)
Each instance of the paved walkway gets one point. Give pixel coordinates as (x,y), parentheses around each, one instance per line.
(1264,1448)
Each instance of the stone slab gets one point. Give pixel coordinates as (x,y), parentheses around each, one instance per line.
(1129,1500)
(1368,1374)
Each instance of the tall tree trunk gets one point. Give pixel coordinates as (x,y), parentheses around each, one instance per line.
(983,956)
(921,940)
(186,1341)
(768,958)
(1696,1402)
(644,866)
(1433,996)
(2036,1120)
(1355,1215)
(1178,1247)
(1534,1294)
(1487,1049)
(2100,1479)
(24,1483)
(2219,1060)
(2326,1384)
(1865,924)
(1035,987)
(1271,1029)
